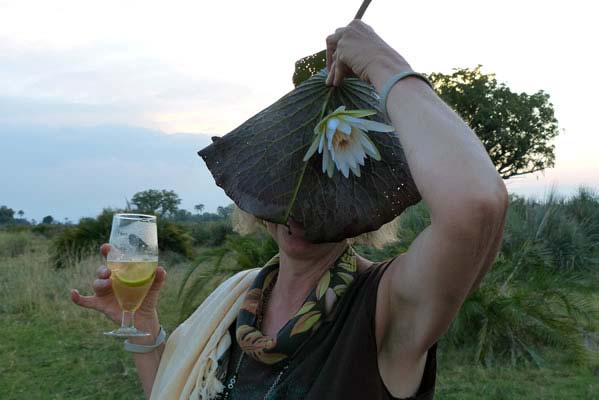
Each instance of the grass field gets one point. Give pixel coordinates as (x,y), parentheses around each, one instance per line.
(51,349)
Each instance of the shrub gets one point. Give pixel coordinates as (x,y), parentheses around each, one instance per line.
(565,233)
(172,237)
(211,233)
(513,318)
(85,238)
(13,244)
(48,230)
(534,295)
(81,240)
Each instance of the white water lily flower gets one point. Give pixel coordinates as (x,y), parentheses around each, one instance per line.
(342,140)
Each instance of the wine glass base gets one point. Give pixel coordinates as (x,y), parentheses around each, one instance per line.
(126,332)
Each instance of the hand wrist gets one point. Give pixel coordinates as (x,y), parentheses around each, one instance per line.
(385,66)
(151,326)
(146,348)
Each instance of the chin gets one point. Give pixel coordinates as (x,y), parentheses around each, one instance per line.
(295,244)
(292,242)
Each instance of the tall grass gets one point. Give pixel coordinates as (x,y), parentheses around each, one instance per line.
(13,244)
(29,286)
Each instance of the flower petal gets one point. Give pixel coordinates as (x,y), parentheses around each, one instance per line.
(320,145)
(320,127)
(342,163)
(325,159)
(370,147)
(356,170)
(331,129)
(338,110)
(369,125)
(332,151)
(344,127)
(328,164)
(332,124)
(311,150)
(360,113)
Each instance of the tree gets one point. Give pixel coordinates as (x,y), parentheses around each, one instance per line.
(515,128)
(225,212)
(160,202)
(6,215)
(48,219)
(181,215)
(20,213)
(199,208)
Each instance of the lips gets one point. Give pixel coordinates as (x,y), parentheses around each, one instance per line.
(295,226)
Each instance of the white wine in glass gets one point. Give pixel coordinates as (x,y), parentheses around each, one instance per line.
(132,261)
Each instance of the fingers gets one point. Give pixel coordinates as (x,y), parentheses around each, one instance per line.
(83,301)
(341,71)
(158,279)
(332,45)
(331,76)
(102,287)
(105,249)
(103,272)
(337,68)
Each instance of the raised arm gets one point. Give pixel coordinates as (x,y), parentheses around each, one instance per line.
(425,287)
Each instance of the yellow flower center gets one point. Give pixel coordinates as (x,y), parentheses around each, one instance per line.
(340,141)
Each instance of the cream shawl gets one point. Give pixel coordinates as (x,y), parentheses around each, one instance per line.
(187,369)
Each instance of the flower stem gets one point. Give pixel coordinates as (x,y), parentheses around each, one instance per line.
(301,177)
(362,9)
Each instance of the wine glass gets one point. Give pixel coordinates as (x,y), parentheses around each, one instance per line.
(132,260)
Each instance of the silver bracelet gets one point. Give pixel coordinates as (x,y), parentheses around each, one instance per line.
(392,81)
(138,348)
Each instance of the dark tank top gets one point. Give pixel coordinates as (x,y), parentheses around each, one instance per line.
(339,361)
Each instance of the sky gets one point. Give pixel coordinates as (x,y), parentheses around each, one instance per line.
(205,67)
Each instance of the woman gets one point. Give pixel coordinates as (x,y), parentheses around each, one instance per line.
(375,335)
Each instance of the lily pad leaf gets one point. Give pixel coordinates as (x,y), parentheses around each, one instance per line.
(308,66)
(260,166)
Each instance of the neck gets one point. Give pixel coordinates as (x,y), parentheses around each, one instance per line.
(298,276)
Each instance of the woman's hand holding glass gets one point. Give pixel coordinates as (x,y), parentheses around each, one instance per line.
(105,301)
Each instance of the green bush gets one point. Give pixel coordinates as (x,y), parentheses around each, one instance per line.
(514,318)
(13,244)
(81,240)
(535,295)
(210,233)
(48,230)
(565,233)
(85,238)
(172,237)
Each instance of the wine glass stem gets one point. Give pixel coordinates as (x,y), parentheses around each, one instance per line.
(128,320)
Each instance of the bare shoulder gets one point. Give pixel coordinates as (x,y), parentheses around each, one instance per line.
(363,264)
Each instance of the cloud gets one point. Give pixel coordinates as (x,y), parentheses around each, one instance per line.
(106,83)
(75,171)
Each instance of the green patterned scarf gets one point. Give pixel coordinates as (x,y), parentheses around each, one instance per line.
(319,303)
